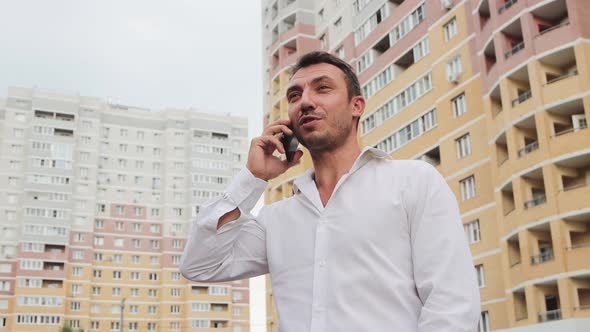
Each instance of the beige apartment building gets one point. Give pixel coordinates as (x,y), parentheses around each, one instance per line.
(96,201)
(496,95)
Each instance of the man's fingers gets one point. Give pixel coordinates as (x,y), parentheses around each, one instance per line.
(271,143)
(298,154)
(276,129)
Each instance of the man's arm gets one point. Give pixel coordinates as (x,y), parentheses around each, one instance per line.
(228,245)
(226,242)
(443,265)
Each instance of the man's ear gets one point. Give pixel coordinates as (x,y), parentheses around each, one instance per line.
(358,106)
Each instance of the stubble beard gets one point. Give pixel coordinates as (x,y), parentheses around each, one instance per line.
(329,140)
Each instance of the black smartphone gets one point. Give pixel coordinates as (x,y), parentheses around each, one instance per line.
(290,143)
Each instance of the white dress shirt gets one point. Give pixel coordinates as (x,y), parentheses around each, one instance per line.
(386,253)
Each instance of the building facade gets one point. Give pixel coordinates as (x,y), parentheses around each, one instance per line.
(96,201)
(493,93)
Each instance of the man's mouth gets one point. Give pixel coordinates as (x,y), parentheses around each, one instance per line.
(308,119)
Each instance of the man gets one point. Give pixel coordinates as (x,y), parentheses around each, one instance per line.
(365,244)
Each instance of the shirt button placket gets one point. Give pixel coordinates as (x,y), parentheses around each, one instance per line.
(319,282)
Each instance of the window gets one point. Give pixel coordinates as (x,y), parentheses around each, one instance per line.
(484,323)
(454,68)
(450,29)
(98,241)
(152,309)
(75,306)
(135,259)
(463,145)
(237,295)
(176,259)
(176,244)
(118,242)
(481,279)
(338,24)
(78,254)
(340,52)
(137,211)
(153,276)
(117,258)
(95,308)
(134,275)
(175,276)
(133,309)
(467,188)
(97,273)
(152,293)
(472,231)
(116,291)
(96,290)
(459,106)
(154,244)
(154,260)
(134,292)
(218,290)
(200,323)
(175,309)
(155,228)
(237,311)
(117,275)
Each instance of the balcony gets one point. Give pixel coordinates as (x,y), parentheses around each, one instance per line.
(522,97)
(542,258)
(496,101)
(538,200)
(560,75)
(484,14)
(520,305)
(506,5)
(574,173)
(551,23)
(528,149)
(517,47)
(549,315)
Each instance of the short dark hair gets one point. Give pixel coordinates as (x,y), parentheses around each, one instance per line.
(313,58)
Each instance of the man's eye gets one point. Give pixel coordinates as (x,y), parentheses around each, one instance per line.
(324,87)
(292,96)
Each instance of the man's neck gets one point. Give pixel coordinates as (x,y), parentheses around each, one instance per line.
(329,166)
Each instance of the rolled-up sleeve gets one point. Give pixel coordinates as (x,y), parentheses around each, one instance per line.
(237,250)
(443,266)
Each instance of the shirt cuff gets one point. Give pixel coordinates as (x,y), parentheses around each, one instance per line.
(245,190)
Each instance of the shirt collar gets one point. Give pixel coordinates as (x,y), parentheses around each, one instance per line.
(367,154)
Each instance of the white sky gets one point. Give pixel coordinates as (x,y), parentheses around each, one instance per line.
(203,54)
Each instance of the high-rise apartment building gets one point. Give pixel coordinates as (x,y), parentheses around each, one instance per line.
(96,201)
(496,95)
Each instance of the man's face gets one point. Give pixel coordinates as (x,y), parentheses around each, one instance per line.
(321,114)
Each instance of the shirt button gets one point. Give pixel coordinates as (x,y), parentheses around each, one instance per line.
(225,195)
(322,263)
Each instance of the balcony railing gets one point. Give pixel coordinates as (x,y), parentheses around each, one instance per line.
(528,149)
(538,200)
(570,130)
(521,98)
(555,27)
(506,5)
(542,258)
(562,77)
(515,49)
(576,186)
(550,315)
(579,245)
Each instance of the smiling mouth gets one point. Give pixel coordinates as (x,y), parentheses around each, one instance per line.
(307,120)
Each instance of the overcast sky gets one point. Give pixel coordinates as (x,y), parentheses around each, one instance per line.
(183,53)
(202,54)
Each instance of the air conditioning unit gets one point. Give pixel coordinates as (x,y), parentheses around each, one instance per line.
(453,78)
(446,4)
(579,121)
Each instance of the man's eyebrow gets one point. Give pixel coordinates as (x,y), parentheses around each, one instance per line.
(316,80)
(322,78)
(292,88)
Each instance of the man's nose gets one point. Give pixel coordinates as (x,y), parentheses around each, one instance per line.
(307,103)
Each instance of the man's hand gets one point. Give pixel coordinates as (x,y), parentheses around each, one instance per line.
(261,161)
